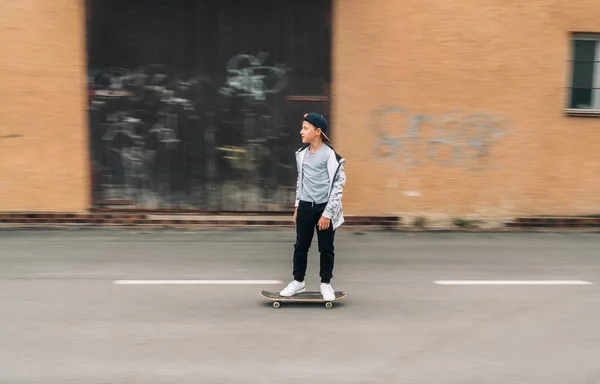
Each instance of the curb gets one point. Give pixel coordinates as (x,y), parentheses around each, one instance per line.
(128,220)
(122,220)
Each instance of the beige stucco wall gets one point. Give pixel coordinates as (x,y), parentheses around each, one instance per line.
(43,127)
(487,80)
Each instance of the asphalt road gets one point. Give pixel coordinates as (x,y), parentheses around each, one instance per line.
(64,320)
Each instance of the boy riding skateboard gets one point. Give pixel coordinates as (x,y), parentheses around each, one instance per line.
(319,188)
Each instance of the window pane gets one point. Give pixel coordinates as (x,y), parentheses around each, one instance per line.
(583,75)
(596,99)
(585,50)
(581,98)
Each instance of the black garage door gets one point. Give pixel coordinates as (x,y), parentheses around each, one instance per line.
(197,105)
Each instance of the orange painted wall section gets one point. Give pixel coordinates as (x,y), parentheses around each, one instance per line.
(456,108)
(43,128)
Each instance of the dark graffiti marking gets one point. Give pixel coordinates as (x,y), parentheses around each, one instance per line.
(13,136)
(166,141)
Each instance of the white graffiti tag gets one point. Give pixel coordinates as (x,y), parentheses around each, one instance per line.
(247,77)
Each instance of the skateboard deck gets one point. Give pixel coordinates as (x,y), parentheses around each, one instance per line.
(306,297)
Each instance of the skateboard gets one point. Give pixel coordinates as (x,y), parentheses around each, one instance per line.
(306,297)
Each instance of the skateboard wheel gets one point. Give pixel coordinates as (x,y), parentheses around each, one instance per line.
(328,304)
(276,304)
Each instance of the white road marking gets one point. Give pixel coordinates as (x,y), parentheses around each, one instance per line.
(513,282)
(196,282)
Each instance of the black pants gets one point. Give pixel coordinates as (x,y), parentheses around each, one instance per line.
(307,221)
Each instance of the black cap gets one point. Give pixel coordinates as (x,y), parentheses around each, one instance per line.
(318,121)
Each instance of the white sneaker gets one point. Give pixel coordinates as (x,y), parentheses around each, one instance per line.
(327,292)
(293,288)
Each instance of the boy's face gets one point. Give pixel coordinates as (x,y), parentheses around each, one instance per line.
(309,133)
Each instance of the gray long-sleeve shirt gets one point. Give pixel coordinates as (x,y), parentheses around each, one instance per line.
(315,180)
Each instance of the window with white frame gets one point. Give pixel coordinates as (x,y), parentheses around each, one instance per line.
(584,91)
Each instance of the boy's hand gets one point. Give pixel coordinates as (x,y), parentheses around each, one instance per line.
(324,223)
(295,214)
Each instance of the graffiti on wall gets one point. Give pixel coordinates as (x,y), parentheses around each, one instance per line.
(166,141)
(248,77)
(409,140)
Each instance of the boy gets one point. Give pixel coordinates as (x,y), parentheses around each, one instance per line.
(319,188)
